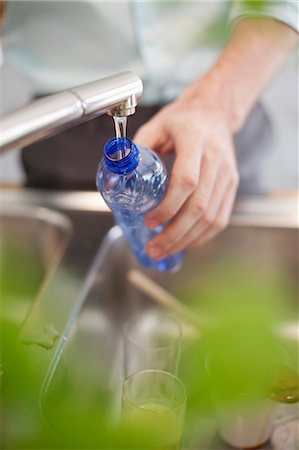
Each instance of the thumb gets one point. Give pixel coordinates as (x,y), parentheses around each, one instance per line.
(152,134)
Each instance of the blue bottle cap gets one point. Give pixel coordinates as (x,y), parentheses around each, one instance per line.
(121,155)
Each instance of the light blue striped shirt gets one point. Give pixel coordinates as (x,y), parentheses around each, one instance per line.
(168,43)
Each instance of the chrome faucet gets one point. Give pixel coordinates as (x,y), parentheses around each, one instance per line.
(116,95)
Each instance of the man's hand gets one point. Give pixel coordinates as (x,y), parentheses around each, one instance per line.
(204,179)
(199,128)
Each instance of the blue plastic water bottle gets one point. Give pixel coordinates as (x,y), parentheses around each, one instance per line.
(133,181)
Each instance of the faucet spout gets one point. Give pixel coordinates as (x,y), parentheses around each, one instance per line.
(127,108)
(116,95)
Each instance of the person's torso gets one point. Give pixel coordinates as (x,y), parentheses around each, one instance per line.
(62,44)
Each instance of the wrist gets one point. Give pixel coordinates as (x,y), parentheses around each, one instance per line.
(230,96)
(216,92)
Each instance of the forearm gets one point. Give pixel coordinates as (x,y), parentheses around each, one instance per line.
(253,56)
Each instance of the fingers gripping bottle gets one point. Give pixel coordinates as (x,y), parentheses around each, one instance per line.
(133,181)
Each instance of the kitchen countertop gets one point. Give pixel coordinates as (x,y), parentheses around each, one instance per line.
(279,209)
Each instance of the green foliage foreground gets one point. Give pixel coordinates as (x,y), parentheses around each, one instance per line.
(234,358)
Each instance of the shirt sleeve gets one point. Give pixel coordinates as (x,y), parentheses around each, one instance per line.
(286,11)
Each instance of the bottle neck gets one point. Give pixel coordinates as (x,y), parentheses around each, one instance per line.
(121,155)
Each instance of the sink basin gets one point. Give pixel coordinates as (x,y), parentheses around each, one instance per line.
(45,256)
(84,288)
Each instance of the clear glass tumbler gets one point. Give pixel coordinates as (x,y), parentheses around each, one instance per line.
(152,341)
(155,401)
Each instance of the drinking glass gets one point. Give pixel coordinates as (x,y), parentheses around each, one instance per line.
(154,401)
(248,420)
(152,341)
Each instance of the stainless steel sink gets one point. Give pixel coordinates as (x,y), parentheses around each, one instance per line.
(73,330)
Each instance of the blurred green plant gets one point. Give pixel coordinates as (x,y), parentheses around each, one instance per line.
(76,415)
(243,306)
(73,413)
